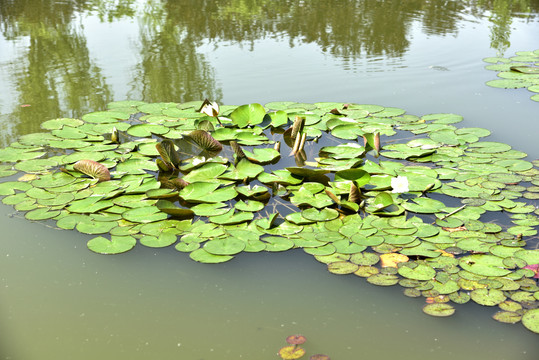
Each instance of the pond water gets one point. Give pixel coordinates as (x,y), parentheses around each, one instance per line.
(66,58)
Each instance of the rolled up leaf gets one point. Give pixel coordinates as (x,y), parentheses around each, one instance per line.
(237,150)
(168,153)
(205,140)
(92,168)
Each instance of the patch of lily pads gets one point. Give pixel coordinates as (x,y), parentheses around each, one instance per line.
(519,71)
(371,191)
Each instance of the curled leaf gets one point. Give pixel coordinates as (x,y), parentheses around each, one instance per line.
(237,150)
(92,168)
(168,153)
(205,140)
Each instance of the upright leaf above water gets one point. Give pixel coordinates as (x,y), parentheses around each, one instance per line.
(168,153)
(198,143)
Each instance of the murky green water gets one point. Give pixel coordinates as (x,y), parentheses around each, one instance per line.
(65,58)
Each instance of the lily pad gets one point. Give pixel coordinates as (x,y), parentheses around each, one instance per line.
(530,320)
(487,297)
(114,245)
(226,246)
(439,309)
(203,256)
(419,272)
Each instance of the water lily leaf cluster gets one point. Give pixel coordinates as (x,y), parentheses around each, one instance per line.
(519,71)
(368,190)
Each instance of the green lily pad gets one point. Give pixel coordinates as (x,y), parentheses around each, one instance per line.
(231,217)
(243,170)
(277,243)
(203,256)
(207,192)
(144,214)
(419,272)
(41,214)
(424,205)
(210,209)
(507,317)
(485,265)
(226,246)
(325,214)
(250,205)
(116,244)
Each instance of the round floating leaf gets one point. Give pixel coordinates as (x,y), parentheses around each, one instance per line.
(144,214)
(508,317)
(187,247)
(36,165)
(530,320)
(485,265)
(243,170)
(206,192)
(383,279)
(210,209)
(419,272)
(325,214)
(56,124)
(13,155)
(487,297)
(116,244)
(276,243)
(251,206)
(327,249)
(89,205)
(262,155)
(424,205)
(166,238)
(41,214)
(365,258)
(203,256)
(231,217)
(226,246)
(291,352)
(206,172)
(161,193)
(530,256)
(168,207)
(392,259)
(489,147)
(439,309)
(89,226)
(343,151)
(9,187)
